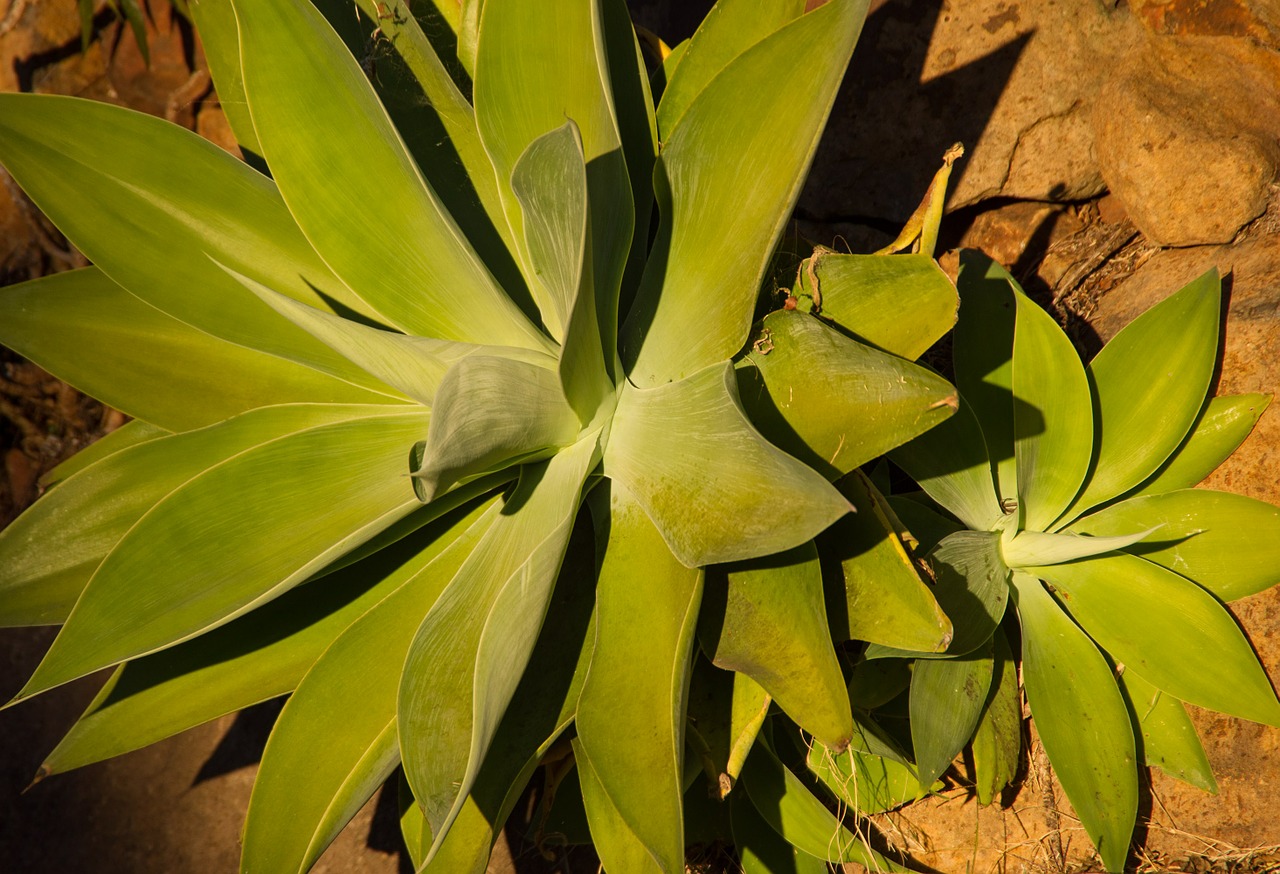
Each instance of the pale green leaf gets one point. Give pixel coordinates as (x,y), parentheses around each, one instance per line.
(1169,740)
(537,66)
(413,365)
(129,434)
(983,355)
(726,182)
(373,198)
(972,589)
(997,741)
(414,829)
(866,783)
(950,463)
(262,654)
(831,401)
(1052,417)
(331,486)
(472,648)
(85,329)
(765,618)
(879,596)
(1228,543)
(345,705)
(490,412)
(50,552)
(165,203)
(1150,382)
(786,804)
(1168,630)
(730,28)
(710,483)
(1222,426)
(550,182)
(543,706)
(761,850)
(947,699)
(1082,720)
(1028,548)
(631,712)
(866,296)
(215,21)
(725,712)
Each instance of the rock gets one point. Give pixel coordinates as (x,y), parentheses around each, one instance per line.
(1186,172)
(1011,79)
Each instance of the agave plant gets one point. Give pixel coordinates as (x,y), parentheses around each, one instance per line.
(1064,490)
(432,433)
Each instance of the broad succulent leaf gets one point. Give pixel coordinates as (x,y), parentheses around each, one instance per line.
(1149,383)
(863,781)
(1168,738)
(695,300)
(997,741)
(706,477)
(631,711)
(375,197)
(816,393)
(766,619)
(761,850)
(1228,543)
(1221,427)
(726,710)
(1081,718)
(215,20)
(129,434)
(947,699)
(347,459)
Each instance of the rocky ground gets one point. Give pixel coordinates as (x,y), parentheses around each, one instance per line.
(1115,150)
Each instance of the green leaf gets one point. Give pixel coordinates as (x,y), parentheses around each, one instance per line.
(761,850)
(866,295)
(550,182)
(85,329)
(1169,740)
(631,717)
(538,65)
(793,812)
(765,618)
(413,365)
(1052,417)
(1028,548)
(877,595)
(345,705)
(725,710)
(982,351)
(708,480)
(725,175)
(950,463)
(1169,631)
(51,551)
(543,706)
(1222,426)
(373,197)
(129,434)
(864,782)
(472,648)
(490,412)
(923,521)
(831,401)
(262,654)
(414,829)
(215,21)
(163,211)
(1082,720)
(997,741)
(231,562)
(1227,543)
(972,589)
(730,28)
(947,699)
(1150,383)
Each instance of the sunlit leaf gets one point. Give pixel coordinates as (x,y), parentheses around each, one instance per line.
(1129,606)
(129,434)
(708,480)
(1169,740)
(761,850)
(631,711)
(1222,426)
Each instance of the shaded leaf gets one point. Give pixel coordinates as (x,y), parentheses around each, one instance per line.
(997,741)
(761,850)
(725,712)
(947,699)
(864,782)
(926,524)
(708,480)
